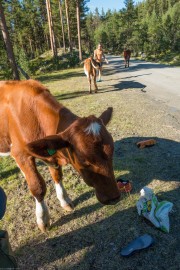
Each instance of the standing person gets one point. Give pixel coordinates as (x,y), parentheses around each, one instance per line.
(100,57)
(127,55)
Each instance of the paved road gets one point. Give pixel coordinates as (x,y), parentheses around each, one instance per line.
(161,82)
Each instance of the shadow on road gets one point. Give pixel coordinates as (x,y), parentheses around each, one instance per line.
(123,85)
(117,65)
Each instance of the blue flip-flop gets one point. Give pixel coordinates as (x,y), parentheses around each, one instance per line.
(139,243)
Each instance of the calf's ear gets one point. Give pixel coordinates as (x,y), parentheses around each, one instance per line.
(106,115)
(47,146)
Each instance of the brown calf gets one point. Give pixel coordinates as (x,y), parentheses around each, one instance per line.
(34,125)
(90,68)
(127,55)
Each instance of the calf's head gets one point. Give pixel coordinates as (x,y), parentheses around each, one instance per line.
(88,146)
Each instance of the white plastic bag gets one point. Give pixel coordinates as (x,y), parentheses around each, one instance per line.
(157,212)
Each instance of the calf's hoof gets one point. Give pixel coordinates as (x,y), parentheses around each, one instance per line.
(44,227)
(68,207)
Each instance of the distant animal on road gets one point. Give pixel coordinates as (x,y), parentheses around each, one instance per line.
(35,125)
(127,56)
(90,68)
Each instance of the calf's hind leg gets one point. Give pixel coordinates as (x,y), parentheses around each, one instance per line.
(37,187)
(89,81)
(95,85)
(65,201)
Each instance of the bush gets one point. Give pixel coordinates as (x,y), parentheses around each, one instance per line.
(48,64)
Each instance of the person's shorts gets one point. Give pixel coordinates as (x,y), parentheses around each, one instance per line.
(99,63)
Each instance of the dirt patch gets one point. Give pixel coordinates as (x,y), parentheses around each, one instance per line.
(92,236)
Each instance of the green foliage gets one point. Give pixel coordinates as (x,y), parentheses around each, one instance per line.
(5,70)
(22,60)
(151,27)
(46,63)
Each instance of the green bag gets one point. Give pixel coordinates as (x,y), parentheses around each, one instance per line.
(7,260)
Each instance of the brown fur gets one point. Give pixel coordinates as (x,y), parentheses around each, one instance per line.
(34,124)
(90,68)
(127,56)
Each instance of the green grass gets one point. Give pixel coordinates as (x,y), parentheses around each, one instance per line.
(92,236)
(168,58)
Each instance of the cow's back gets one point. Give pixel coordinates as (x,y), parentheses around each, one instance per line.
(27,112)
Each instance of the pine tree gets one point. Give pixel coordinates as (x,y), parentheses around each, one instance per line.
(7,42)
(68,24)
(51,29)
(79,29)
(62,24)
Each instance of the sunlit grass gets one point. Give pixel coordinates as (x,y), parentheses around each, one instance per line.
(92,235)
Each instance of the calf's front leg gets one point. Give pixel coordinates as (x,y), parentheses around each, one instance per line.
(37,187)
(65,201)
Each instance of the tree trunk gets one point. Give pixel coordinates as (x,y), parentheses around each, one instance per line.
(8,44)
(23,72)
(51,30)
(62,25)
(68,24)
(79,29)
(31,47)
(47,41)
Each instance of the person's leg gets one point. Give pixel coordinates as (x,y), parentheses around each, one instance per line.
(2,203)
(100,72)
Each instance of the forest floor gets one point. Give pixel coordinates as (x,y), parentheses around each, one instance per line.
(92,236)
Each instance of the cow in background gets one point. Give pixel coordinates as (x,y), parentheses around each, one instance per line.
(35,125)
(90,68)
(127,55)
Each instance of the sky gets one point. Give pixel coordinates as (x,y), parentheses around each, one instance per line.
(107,4)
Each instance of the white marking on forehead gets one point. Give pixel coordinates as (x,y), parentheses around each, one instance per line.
(93,128)
(5,154)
